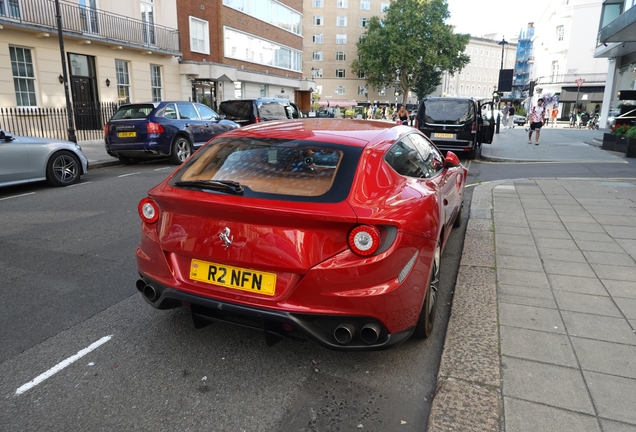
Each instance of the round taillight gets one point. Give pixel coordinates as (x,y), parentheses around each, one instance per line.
(364,240)
(148,210)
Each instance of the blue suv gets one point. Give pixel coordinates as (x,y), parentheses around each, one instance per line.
(159,129)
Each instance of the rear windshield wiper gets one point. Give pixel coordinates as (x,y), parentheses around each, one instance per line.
(219,185)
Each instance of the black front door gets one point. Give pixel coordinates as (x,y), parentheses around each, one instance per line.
(84,89)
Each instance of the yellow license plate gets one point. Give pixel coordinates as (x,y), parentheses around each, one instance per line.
(233,277)
(443,135)
(127,134)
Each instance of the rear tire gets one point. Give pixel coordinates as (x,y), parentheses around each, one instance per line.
(128,161)
(471,154)
(63,169)
(425,322)
(458,219)
(181,150)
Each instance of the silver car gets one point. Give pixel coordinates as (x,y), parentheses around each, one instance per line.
(27,159)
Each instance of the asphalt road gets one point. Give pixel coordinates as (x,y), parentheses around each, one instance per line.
(67,278)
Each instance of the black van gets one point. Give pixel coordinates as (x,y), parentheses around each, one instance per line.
(249,111)
(455,124)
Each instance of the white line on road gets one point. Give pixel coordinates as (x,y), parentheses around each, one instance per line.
(17,196)
(80,184)
(164,168)
(58,367)
(126,175)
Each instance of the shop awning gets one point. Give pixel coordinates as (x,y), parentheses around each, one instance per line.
(590,94)
(342,103)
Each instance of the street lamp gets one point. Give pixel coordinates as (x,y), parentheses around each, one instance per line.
(503,44)
(69,107)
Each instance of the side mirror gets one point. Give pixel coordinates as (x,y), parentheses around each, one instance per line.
(451,160)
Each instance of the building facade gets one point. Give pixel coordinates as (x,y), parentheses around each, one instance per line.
(242,49)
(331,30)
(524,59)
(616,42)
(115,52)
(480,78)
(563,48)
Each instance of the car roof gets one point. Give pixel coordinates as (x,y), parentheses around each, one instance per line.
(351,132)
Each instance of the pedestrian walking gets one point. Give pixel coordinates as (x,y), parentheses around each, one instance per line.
(403,115)
(337,112)
(554,115)
(505,111)
(369,113)
(537,114)
(511,117)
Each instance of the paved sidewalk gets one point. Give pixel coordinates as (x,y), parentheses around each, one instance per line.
(542,329)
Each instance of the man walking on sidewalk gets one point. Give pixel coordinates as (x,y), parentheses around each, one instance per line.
(536,121)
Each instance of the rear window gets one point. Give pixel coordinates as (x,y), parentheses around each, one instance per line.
(133,112)
(236,110)
(274,111)
(291,170)
(447,111)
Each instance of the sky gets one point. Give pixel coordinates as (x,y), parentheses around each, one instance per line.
(504,17)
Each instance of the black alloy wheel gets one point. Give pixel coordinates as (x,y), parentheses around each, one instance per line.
(424,327)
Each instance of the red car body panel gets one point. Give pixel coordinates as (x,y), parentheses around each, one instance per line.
(306,243)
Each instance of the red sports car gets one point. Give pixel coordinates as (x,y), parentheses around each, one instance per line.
(319,228)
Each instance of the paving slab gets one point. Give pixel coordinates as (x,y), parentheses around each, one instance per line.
(614,397)
(577,284)
(591,236)
(511,230)
(599,327)
(595,246)
(517,250)
(519,263)
(571,255)
(628,246)
(627,306)
(568,268)
(526,296)
(551,233)
(621,232)
(623,273)
(524,416)
(531,318)
(584,303)
(614,426)
(609,258)
(557,386)
(522,278)
(538,346)
(620,288)
(513,239)
(555,243)
(605,357)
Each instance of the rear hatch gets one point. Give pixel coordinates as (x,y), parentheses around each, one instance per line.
(239,111)
(127,128)
(447,119)
(256,215)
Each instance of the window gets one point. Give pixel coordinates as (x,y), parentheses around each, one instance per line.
(317,56)
(23,76)
(238,90)
(461,89)
(272,12)
(317,38)
(413,156)
(316,73)
(187,111)
(342,4)
(364,22)
(341,38)
(481,63)
(88,16)
(362,90)
(199,36)
(340,90)
(123,81)
(148,20)
(246,47)
(318,20)
(384,6)
(341,56)
(155,82)
(341,21)
(362,75)
(10,8)
(319,3)
(382,92)
(365,4)
(481,52)
(340,73)
(560,33)
(555,71)
(263,91)
(206,113)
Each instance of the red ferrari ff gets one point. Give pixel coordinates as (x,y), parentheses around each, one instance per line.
(319,228)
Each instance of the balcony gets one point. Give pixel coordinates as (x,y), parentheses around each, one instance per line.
(90,24)
(570,79)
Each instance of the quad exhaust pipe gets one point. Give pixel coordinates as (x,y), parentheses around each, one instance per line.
(344,333)
(370,333)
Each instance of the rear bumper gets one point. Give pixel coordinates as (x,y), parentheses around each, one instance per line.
(275,324)
(151,148)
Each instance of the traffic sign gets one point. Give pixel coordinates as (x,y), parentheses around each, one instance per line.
(579,81)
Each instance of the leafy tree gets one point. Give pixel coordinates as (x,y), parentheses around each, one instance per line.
(411,47)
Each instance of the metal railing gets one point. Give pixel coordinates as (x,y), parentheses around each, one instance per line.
(90,23)
(571,78)
(89,120)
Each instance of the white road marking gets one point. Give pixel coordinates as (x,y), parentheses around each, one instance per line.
(129,174)
(17,196)
(58,367)
(80,184)
(164,168)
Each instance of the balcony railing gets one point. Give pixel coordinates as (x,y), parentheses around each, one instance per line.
(90,23)
(571,78)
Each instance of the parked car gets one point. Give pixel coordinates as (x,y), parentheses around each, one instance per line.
(159,129)
(249,111)
(456,124)
(611,117)
(519,120)
(28,159)
(412,114)
(305,229)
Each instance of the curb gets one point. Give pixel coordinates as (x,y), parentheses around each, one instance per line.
(103,164)
(468,395)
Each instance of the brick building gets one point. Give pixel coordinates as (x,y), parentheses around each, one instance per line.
(241,49)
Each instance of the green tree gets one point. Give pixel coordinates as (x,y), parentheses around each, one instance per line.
(411,47)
